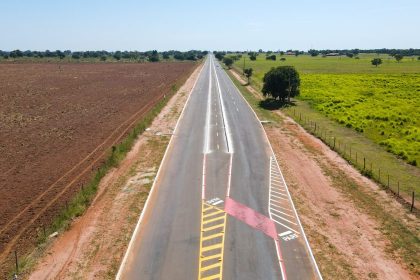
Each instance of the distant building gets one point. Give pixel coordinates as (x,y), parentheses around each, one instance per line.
(333,54)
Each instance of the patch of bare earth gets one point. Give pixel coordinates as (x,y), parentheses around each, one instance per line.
(346,239)
(94,245)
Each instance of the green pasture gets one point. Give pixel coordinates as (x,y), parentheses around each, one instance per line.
(382,103)
(370,115)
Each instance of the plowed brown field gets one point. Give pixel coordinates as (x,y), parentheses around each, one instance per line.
(57,122)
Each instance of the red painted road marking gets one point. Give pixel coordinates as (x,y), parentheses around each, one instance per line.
(251,217)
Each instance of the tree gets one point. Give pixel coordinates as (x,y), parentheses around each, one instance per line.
(252,56)
(313,52)
(103,58)
(283,59)
(350,55)
(228,61)
(16,53)
(271,57)
(376,61)
(75,55)
(219,55)
(248,73)
(418,58)
(117,55)
(398,57)
(154,56)
(281,82)
(179,56)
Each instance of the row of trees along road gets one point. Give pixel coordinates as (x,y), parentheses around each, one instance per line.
(280,83)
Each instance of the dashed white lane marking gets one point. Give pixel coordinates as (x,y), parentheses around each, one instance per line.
(218,146)
(217,134)
(237,110)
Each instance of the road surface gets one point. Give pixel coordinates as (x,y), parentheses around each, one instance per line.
(219,207)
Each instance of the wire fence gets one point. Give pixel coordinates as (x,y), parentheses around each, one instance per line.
(358,159)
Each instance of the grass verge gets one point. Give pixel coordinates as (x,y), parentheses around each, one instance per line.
(372,160)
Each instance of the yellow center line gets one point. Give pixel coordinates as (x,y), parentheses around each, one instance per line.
(212,239)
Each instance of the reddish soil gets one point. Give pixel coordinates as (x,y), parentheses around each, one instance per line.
(57,122)
(94,246)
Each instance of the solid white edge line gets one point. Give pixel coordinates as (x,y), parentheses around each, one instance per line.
(229,176)
(287,189)
(130,245)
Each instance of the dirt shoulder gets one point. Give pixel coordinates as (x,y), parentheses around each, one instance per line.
(356,230)
(94,245)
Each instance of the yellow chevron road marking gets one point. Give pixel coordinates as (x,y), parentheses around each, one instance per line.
(212,239)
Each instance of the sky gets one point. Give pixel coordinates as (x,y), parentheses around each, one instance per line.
(111,25)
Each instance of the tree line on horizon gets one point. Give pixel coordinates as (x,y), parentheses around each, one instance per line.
(152,56)
(348,52)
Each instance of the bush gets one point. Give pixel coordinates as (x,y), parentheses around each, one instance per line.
(376,61)
(219,55)
(228,61)
(271,57)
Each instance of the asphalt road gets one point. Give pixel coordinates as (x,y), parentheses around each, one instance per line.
(220,207)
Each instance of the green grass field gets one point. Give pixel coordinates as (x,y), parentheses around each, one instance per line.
(373,110)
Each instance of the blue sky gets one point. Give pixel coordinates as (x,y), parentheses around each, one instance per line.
(210,25)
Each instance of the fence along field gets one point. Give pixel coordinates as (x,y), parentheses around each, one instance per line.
(381,104)
(57,125)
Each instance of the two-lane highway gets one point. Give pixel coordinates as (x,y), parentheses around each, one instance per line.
(219,207)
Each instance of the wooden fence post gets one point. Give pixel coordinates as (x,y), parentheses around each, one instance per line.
(364,163)
(412,202)
(17,263)
(398,191)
